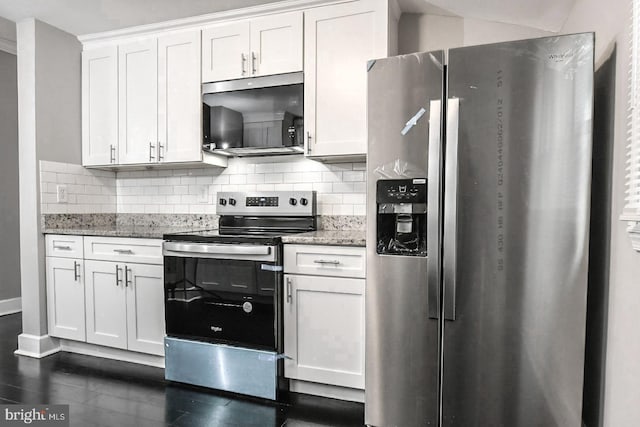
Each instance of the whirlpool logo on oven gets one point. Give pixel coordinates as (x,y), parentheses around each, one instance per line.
(216,328)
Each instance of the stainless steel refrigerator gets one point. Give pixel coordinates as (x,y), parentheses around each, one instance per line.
(478,196)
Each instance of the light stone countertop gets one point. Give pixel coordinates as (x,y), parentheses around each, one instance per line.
(328,237)
(140,231)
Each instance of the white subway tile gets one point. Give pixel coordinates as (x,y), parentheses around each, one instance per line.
(310,177)
(48,177)
(166,209)
(166,189)
(354,198)
(343,209)
(330,199)
(255,178)
(203,180)
(353,176)
(238,179)
(264,168)
(304,186)
(359,166)
(331,176)
(360,210)
(360,187)
(325,209)
(221,179)
(343,187)
(187,180)
(265,187)
(174,200)
(273,178)
(151,209)
(292,177)
(283,187)
(323,187)
(181,189)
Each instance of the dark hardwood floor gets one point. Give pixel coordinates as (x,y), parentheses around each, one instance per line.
(109,393)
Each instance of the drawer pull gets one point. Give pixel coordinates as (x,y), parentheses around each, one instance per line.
(62,248)
(123,251)
(327,261)
(76,271)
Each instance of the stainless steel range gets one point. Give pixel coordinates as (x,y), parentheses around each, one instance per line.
(223,293)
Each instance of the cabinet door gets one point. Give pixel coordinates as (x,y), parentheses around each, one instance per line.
(100,106)
(179,103)
(225,52)
(65,298)
(339,40)
(138,102)
(106,304)
(324,330)
(145,308)
(276,44)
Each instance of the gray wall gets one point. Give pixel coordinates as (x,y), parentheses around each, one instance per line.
(611,22)
(49,85)
(9,212)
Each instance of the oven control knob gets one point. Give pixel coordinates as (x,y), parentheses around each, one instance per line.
(304,202)
(247,307)
(223,202)
(232,202)
(293,201)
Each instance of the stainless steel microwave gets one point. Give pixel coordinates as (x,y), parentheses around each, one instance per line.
(255,116)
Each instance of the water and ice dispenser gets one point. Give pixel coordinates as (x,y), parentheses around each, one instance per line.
(401,219)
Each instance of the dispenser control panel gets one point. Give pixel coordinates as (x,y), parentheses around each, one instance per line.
(402,190)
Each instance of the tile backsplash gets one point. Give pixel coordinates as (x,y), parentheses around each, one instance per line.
(340,187)
(88,190)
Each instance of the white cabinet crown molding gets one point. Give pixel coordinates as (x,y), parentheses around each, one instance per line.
(109,37)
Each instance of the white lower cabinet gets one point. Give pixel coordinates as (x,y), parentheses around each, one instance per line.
(105,302)
(124,306)
(324,330)
(65,294)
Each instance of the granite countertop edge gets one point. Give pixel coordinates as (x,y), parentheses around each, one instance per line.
(320,237)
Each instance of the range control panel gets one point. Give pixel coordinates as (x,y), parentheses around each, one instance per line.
(261,201)
(268,203)
(402,191)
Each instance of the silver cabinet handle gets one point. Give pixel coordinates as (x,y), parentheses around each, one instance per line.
(243,57)
(308,142)
(112,152)
(76,271)
(151,148)
(288,290)
(434,214)
(253,62)
(123,251)
(326,261)
(160,155)
(127,278)
(450,210)
(62,248)
(118,278)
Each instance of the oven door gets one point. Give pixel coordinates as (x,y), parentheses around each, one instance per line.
(225,293)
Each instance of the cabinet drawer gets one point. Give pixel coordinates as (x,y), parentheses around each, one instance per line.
(145,251)
(325,260)
(63,246)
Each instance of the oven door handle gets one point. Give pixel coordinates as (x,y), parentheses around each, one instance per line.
(189,249)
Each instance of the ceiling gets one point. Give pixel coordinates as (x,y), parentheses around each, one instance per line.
(92,16)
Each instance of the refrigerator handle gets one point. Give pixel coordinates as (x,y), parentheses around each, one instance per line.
(434,209)
(450,209)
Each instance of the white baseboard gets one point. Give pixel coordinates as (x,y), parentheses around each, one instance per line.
(111,353)
(37,346)
(10,306)
(326,390)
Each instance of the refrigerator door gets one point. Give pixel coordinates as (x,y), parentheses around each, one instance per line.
(404,96)
(518,212)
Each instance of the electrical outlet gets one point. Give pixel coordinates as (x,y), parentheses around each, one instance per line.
(203,194)
(62,195)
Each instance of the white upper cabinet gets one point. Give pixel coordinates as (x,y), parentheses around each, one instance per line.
(100,106)
(179,103)
(276,44)
(257,47)
(339,40)
(225,52)
(138,102)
